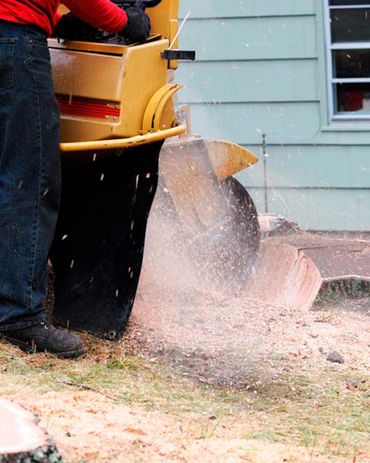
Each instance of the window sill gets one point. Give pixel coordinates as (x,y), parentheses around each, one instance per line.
(347,126)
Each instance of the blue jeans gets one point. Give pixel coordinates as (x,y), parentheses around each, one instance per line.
(29,173)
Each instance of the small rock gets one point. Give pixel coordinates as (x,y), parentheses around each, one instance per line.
(321,350)
(354,385)
(335,357)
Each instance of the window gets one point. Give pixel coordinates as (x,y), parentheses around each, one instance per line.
(349,58)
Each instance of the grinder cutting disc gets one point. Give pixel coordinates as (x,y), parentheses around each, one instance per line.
(99,242)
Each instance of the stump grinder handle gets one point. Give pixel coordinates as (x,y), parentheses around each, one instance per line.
(146,3)
(122,143)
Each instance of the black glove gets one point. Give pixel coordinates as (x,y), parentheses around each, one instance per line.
(70,27)
(138,23)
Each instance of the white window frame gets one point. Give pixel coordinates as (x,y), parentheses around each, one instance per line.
(329,52)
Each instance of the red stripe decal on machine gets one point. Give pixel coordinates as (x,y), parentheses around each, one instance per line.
(76,106)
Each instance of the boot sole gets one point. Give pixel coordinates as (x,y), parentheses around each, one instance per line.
(25,347)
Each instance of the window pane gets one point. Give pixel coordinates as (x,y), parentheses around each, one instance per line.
(350,25)
(351,63)
(349,2)
(352,98)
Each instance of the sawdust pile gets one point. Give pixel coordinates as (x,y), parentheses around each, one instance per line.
(181,313)
(217,341)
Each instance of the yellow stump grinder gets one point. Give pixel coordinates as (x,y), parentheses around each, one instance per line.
(117,110)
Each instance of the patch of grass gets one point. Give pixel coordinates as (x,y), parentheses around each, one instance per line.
(324,414)
(328,411)
(272,435)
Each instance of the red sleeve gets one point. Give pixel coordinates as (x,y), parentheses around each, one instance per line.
(57,18)
(102,14)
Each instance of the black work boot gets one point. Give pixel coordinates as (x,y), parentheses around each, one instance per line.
(44,337)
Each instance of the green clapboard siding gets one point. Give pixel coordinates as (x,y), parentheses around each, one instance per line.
(245,8)
(250,38)
(248,81)
(319,209)
(245,123)
(311,167)
(261,69)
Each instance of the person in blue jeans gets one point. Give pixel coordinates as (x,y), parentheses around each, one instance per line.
(30,179)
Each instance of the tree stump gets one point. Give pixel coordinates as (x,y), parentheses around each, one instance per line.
(21,439)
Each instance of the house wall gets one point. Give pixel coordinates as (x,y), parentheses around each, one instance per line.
(261,69)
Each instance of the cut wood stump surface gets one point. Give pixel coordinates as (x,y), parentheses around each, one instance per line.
(21,439)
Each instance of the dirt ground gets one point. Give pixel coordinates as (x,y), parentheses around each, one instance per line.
(222,380)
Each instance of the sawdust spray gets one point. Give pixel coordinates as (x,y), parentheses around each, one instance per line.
(182,315)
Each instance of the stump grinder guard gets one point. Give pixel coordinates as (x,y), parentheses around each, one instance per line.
(98,246)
